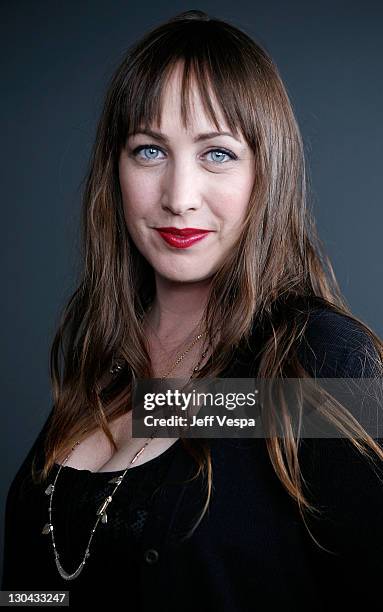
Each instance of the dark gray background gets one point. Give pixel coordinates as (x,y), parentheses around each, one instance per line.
(56,58)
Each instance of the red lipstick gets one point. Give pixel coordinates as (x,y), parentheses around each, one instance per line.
(182,238)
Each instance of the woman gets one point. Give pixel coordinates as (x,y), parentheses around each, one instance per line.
(245,291)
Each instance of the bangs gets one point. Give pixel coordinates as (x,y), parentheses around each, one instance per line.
(215,73)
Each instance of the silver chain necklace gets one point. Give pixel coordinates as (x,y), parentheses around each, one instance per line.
(101,512)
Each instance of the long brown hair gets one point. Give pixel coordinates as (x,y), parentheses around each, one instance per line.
(277,259)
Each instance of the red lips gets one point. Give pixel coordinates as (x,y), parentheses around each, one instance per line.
(181,238)
(186,231)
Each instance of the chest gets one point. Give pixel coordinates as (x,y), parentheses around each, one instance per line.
(94,453)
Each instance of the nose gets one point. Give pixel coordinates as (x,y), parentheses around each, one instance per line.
(181,191)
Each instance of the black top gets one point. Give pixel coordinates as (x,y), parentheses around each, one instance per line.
(77,496)
(250,550)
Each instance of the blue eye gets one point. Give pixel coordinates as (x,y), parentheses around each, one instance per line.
(145,148)
(222,152)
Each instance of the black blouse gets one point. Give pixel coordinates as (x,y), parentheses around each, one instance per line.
(78,494)
(250,552)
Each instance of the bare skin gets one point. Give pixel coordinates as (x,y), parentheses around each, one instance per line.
(94,452)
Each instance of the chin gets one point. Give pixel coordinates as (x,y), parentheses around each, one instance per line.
(189,275)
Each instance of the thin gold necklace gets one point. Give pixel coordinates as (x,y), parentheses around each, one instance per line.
(158,338)
(101,512)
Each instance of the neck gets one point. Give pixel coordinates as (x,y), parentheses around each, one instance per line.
(177,307)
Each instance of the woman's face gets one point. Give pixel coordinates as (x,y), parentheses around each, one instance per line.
(185,183)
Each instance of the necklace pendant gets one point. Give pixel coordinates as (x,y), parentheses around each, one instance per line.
(104,505)
(47,528)
(115,479)
(49,489)
(104,518)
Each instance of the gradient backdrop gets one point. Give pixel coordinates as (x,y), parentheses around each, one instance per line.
(56,59)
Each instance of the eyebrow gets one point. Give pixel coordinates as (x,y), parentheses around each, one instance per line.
(198,138)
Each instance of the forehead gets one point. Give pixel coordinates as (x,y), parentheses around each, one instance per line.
(195,118)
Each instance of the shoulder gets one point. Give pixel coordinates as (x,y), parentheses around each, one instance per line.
(336,345)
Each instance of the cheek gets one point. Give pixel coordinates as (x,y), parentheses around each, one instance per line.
(137,195)
(231,205)
(240,182)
